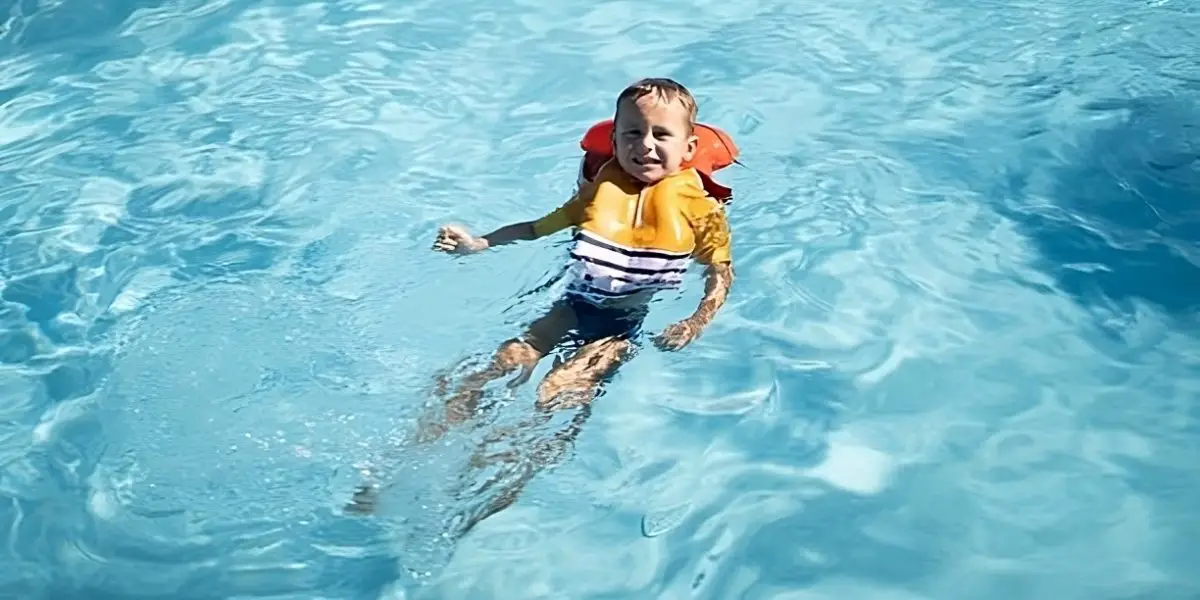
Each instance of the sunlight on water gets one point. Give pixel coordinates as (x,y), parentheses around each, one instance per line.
(960,359)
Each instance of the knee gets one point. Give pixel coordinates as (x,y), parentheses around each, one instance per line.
(517,353)
(549,387)
(557,392)
(575,382)
(572,384)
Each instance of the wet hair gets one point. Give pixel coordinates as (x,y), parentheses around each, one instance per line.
(663,90)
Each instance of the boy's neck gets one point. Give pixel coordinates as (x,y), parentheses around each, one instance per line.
(665,177)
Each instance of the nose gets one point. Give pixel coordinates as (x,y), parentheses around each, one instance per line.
(647,142)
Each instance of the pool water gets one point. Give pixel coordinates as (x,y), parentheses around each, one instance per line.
(961,359)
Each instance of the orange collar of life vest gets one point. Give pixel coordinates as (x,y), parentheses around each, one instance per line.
(715,150)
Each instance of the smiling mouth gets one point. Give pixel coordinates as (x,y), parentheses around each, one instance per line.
(645,161)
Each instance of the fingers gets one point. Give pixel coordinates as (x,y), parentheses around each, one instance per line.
(445,244)
(670,344)
(675,337)
(457,240)
(449,238)
(668,340)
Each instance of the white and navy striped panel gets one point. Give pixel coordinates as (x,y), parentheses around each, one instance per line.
(612,270)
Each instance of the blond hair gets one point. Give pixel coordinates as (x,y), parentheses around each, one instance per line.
(663,90)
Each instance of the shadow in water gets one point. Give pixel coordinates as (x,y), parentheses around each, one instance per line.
(1125,220)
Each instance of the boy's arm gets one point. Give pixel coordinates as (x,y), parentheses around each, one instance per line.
(561,218)
(457,240)
(713,250)
(516,232)
(718,278)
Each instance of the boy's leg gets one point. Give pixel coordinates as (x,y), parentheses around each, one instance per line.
(518,353)
(523,352)
(572,384)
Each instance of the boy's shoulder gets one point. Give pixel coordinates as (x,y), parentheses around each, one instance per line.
(694,193)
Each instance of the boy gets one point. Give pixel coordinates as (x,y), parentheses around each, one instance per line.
(639,221)
(644,209)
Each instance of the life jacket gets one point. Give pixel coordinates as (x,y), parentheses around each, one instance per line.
(621,253)
(715,150)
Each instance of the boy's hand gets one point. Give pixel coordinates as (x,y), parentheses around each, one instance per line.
(678,335)
(455,240)
(717,279)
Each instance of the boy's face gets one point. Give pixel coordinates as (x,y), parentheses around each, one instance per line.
(652,138)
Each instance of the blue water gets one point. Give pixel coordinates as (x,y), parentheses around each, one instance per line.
(961,360)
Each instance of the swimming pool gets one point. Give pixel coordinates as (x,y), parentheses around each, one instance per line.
(960,359)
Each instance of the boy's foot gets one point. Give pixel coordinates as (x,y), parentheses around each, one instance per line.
(363,502)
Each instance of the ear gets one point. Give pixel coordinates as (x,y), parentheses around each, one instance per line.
(693,143)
